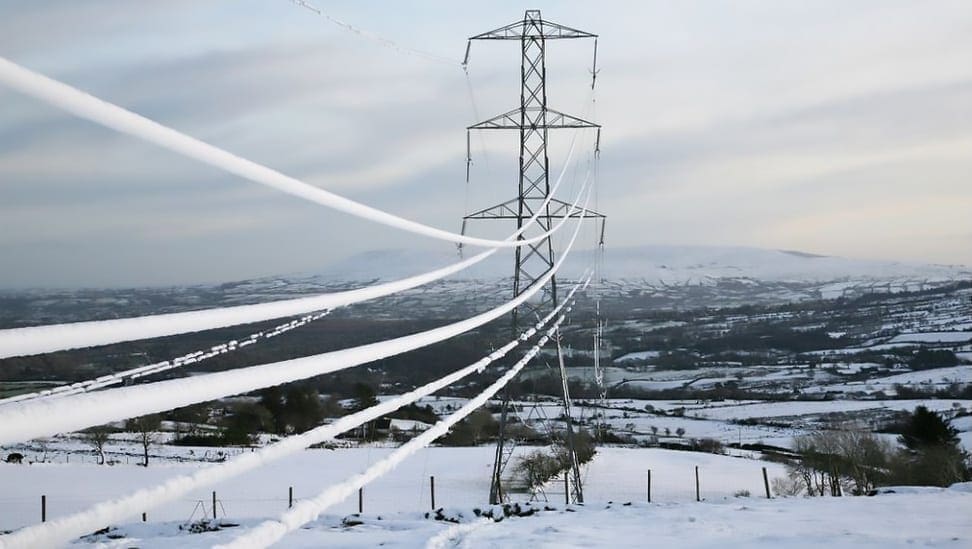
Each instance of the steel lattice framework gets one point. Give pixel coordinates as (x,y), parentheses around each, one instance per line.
(533,119)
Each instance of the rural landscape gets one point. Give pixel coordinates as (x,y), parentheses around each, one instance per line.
(691,378)
(313,274)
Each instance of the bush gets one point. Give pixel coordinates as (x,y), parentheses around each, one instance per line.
(787,487)
(478,427)
(709,445)
(862,461)
(535,469)
(925,428)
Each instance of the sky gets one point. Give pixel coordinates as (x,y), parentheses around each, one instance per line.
(830,127)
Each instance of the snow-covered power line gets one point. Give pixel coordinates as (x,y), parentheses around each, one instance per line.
(59,337)
(272,531)
(112,116)
(163,366)
(44,417)
(386,42)
(62,530)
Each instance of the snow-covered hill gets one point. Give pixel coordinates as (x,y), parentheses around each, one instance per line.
(668,264)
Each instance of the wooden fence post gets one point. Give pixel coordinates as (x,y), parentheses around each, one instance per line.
(432,490)
(698,492)
(290,497)
(214,504)
(361,500)
(43,508)
(649,485)
(766,483)
(144,517)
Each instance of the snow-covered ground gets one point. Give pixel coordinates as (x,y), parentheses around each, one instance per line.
(804,408)
(462,479)
(616,513)
(920,379)
(934,337)
(884,521)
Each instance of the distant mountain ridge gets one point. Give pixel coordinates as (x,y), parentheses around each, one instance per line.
(660,264)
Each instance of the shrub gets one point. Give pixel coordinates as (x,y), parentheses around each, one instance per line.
(709,445)
(787,486)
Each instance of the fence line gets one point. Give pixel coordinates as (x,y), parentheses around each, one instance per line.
(52,506)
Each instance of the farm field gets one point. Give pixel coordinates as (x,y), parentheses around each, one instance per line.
(733,506)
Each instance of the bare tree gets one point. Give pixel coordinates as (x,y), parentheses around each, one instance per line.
(857,457)
(97,437)
(146,428)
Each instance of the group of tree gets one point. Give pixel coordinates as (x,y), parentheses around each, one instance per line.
(477,428)
(858,461)
(926,359)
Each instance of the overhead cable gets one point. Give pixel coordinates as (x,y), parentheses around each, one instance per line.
(62,530)
(57,337)
(187,359)
(386,42)
(44,417)
(112,116)
(272,531)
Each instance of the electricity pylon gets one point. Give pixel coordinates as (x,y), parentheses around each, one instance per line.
(533,119)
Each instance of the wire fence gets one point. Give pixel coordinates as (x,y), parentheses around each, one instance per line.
(429,490)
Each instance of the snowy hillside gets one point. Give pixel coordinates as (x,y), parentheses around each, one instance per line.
(670,264)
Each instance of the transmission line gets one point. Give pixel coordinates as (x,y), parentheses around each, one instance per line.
(166,365)
(272,531)
(112,116)
(44,417)
(57,337)
(60,531)
(386,42)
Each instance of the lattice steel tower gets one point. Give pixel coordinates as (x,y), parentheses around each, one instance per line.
(532,119)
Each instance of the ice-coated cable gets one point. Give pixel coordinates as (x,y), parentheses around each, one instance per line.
(62,530)
(112,116)
(58,337)
(386,42)
(187,359)
(45,417)
(272,531)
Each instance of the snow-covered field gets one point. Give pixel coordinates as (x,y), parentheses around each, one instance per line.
(796,408)
(615,515)
(884,521)
(461,480)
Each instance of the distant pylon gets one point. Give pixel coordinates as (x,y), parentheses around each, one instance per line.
(532,119)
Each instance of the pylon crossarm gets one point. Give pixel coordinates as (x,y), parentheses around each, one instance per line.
(533,28)
(559,207)
(555,120)
(506,210)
